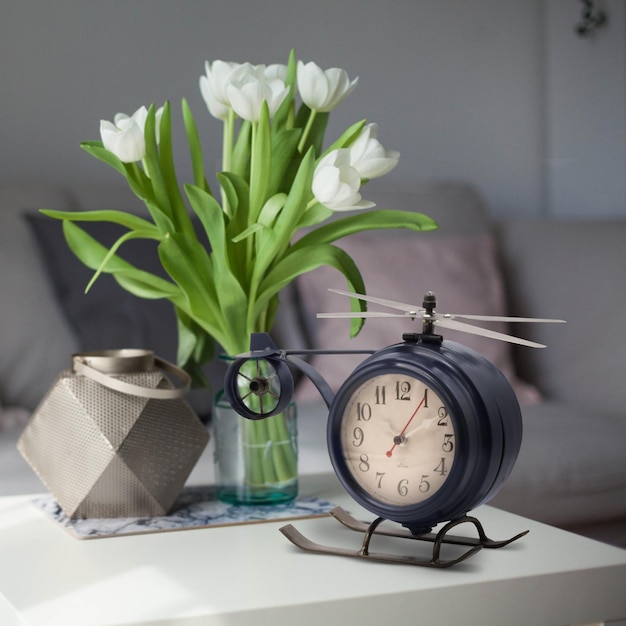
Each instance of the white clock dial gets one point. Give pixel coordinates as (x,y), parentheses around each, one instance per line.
(398,439)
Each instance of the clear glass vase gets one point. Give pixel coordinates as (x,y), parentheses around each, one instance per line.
(256,461)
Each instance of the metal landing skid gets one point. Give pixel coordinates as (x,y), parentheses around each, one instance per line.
(438,539)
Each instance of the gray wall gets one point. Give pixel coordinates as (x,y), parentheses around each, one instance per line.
(499,92)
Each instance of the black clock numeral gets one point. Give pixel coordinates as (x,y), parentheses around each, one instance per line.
(442,414)
(380,394)
(363,411)
(448,444)
(441,468)
(379,478)
(364,463)
(403,487)
(424,486)
(403,390)
(358,436)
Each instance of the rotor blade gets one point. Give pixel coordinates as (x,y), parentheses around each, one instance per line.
(496,318)
(409,308)
(483,332)
(362,314)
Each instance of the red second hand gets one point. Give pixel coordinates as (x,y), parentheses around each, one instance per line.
(389,453)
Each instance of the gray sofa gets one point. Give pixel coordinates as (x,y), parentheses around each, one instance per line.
(571,471)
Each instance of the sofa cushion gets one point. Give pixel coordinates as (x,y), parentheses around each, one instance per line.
(460,269)
(573,270)
(570,470)
(35,341)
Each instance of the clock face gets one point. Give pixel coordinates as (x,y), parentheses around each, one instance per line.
(397,439)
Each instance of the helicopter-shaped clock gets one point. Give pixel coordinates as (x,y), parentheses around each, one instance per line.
(421,432)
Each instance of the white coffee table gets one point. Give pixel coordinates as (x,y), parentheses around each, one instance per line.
(251,574)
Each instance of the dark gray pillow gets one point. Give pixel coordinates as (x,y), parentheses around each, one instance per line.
(107,316)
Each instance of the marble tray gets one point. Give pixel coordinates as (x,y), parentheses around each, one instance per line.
(196,507)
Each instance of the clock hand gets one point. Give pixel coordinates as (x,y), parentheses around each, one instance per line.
(398,439)
(423,424)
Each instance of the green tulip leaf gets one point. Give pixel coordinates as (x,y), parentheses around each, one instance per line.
(315,215)
(130,221)
(133,234)
(195,347)
(261,163)
(240,157)
(179,215)
(368,220)
(347,137)
(285,160)
(279,237)
(305,259)
(282,115)
(195,147)
(272,208)
(97,150)
(153,165)
(162,221)
(237,193)
(92,253)
(216,299)
(248,232)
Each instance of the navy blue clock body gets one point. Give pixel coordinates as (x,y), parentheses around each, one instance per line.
(484,411)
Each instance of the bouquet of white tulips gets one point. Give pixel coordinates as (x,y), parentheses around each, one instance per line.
(269,221)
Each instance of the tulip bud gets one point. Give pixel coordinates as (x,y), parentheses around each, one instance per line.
(323,90)
(124,137)
(251,85)
(214,85)
(368,156)
(336,183)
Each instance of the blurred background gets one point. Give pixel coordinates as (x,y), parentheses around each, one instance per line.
(502,93)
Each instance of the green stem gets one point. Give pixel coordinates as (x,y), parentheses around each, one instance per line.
(254,167)
(307,131)
(227,152)
(252,210)
(146,169)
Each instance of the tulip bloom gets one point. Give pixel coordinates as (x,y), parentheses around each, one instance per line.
(124,137)
(368,157)
(251,85)
(214,85)
(336,183)
(323,90)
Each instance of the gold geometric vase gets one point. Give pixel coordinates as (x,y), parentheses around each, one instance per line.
(113,437)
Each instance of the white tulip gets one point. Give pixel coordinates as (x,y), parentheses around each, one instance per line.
(251,85)
(214,85)
(368,157)
(323,90)
(336,183)
(125,138)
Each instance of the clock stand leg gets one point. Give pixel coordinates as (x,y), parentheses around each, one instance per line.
(435,561)
(347,520)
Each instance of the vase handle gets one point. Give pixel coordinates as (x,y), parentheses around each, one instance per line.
(99,366)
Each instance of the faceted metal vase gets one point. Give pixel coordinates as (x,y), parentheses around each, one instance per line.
(104,453)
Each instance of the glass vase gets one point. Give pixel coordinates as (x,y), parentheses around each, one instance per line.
(256,461)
